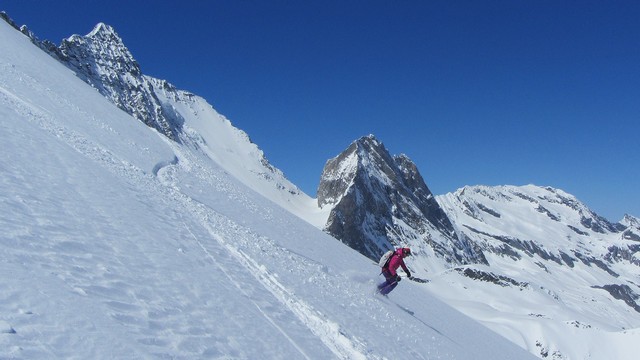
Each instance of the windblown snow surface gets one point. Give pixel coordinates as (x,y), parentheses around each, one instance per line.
(118,243)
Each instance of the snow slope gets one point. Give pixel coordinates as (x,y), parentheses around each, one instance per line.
(118,243)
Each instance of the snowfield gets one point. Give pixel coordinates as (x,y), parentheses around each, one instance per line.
(118,243)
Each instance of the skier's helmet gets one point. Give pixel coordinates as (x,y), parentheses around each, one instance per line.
(406,251)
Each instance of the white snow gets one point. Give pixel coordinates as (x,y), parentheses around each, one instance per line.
(117,243)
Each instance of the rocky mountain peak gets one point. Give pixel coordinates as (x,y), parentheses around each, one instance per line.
(370,142)
(630,221)
(631,226)
(366,155)
(101,59)
(102,30)
(381,201)
(101,51)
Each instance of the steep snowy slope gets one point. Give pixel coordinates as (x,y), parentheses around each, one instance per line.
(102,60)
(119,243)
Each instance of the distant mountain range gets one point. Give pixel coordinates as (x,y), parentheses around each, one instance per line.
(540,263)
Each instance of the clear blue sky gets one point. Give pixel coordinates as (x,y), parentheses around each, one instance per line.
(476,93)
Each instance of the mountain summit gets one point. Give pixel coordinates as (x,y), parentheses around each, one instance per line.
(379,201)
(101,51)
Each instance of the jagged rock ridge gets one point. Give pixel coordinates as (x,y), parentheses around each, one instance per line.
(481,213)
(102,60)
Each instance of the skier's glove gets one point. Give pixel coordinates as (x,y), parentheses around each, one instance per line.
(409,274)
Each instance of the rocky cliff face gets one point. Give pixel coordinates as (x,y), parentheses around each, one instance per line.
(381,201)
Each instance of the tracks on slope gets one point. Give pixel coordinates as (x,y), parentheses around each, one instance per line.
(327,331)
(241,289)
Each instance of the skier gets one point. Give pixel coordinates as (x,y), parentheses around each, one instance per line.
(389,270)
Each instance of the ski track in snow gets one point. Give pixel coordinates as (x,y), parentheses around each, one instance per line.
(329,332)
(116,294)
(239,241)
(48,123)
(240,288)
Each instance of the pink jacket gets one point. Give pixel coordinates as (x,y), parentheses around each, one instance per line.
(397,261)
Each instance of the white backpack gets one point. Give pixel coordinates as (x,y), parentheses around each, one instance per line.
(385,258)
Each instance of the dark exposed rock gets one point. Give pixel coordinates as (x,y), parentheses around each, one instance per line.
(589,260)
(489,211)
(617,253)
(630,235)
(622,292)
(578,231)
(524,197)
(578,324)
(501,280)
(527,246)
(543,210)
(567,259)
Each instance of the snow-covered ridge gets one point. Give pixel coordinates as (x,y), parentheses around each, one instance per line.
(556,212)
(101,59)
